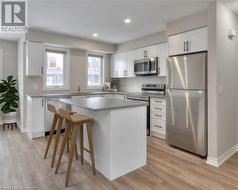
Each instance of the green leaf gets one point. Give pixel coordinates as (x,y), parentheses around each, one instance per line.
(6,108)
(9,78)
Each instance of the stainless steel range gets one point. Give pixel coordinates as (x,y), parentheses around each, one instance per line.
(148,90)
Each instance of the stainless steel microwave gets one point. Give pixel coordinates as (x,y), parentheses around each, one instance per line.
(147,66)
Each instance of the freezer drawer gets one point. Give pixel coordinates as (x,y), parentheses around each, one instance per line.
(186,120)
(187,72)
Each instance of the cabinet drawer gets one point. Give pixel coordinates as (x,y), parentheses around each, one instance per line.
(157,102)
(158,130)
(159,116)
(158,121)
(158,110)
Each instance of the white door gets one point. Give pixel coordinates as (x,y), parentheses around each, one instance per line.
(38,111)
(163,55)
(177,44)
(197,40)
(34,59)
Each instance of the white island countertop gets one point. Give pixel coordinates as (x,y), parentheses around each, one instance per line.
(119,132)
(102,103)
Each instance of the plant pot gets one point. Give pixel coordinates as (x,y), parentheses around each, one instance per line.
(10,117)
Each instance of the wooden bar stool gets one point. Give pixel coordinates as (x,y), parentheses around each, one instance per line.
(75,121)
(56,125)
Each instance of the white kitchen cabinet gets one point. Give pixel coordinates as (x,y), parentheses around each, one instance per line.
(130,61)
(35,117)
(158,117)
(122,64)
(177,44)
(163,56)
(152,51)
(188,42)
(34,59)
(197,40)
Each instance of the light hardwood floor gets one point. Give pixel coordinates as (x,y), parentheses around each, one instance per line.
(22,167)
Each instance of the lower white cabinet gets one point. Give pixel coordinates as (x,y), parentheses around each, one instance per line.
(35,117)
(158,117)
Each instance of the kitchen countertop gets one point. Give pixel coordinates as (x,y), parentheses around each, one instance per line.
(102,103)
(87,93)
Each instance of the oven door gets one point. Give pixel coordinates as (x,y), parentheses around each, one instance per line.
(142,67)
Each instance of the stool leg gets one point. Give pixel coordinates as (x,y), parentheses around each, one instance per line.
(58,128)
(81,144)
(90,141)
(66,134)
(68,145)
(11,126)
(71,154)
(51,135)
(3,127)
(76,151)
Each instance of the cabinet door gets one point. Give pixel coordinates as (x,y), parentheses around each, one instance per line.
(163,55)
(130,63)
(114,66)
(122,64)
(152,51)
(34,59)
(177,44)
(197,40)
(38,116)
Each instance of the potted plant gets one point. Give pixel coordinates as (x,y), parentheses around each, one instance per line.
(9,100)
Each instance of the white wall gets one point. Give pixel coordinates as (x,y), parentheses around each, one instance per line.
(187,23)
(9,60)
(9,57)
(222,84)
(69,41)
(152,39)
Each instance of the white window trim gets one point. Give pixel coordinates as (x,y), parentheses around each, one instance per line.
(96,87)
(66,66)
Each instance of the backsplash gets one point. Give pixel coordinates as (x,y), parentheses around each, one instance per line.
(134,84)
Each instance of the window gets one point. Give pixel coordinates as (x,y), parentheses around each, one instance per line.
(55,70)
(95,71)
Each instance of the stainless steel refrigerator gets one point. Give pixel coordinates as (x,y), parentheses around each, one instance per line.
(186,103)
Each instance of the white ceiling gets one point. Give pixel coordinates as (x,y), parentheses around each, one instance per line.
(82,18)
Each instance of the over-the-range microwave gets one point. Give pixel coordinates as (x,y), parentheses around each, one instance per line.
(147,66)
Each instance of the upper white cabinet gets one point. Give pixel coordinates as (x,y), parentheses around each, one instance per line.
(34,58)
(188,42)
(122,64)
(163,55)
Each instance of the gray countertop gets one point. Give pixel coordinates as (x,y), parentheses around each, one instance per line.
(102,103)
(87,93)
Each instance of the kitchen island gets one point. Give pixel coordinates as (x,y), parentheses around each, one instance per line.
(119,133)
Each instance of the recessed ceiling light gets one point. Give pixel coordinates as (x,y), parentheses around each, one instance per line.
(95,35)
(127,20)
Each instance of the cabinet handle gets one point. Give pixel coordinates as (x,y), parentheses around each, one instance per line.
(158,126)
(184,46)
(187,46)
(158,101)
(158,115)
(158,108)
(41,70)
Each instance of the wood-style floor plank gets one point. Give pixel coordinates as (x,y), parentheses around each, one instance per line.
(22,167)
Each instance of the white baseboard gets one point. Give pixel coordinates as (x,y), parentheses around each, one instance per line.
(216,162)
(20,127)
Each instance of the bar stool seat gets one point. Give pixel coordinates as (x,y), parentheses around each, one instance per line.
(76,121)
(56,126)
